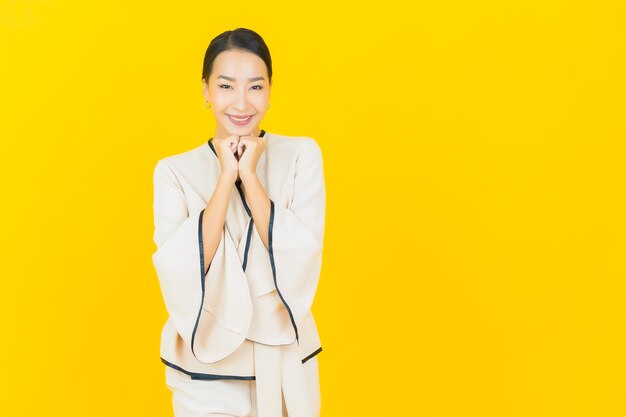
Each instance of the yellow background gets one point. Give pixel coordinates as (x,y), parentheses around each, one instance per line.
(474,160)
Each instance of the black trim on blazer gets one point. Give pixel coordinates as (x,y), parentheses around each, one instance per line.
(201,376)
(245,205)
(196,375)
(271,254)
(318,350)
(271,251)
(202,272)
(249,236)
(243,198)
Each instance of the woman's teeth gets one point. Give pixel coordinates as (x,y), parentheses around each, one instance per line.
(238,120)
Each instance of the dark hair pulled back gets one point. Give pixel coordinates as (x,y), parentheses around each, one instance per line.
(240,38)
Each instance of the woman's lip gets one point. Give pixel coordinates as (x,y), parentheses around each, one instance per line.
(238,122)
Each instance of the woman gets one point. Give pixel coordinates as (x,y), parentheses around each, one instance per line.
(239,229)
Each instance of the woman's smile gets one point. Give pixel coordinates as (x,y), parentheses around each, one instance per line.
(240,121)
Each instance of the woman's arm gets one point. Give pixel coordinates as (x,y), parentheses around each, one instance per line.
(210,316)
(214,217)
(259,203)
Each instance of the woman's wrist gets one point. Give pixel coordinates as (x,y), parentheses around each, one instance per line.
(227,179)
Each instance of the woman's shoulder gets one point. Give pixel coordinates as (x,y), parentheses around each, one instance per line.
(186,158)
(294,145)
(288,139)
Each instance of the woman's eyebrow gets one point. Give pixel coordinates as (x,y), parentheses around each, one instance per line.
(249,79)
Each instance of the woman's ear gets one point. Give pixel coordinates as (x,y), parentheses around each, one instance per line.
(205,89)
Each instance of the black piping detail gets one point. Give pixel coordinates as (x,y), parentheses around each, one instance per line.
(312,354)
(201,376)
(196,375)
(248,238)
(201,250)
(245,204)
(245,259)
(271,251)
(243,198)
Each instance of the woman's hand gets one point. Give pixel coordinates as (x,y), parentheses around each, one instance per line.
(226,149)
(249,149)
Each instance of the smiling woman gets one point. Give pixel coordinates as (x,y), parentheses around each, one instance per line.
(237,79)
(239,229)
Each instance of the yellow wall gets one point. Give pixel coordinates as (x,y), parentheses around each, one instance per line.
(474,156)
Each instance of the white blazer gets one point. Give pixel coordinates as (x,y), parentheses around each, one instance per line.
(249,317)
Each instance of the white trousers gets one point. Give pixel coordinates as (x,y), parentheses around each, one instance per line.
(226,397)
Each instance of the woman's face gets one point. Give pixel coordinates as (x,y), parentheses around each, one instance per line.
(238,86)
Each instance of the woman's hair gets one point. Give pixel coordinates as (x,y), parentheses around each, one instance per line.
(240,38)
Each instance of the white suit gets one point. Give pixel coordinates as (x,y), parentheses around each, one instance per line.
(248,318)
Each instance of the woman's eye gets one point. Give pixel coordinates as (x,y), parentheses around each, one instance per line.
(224,86)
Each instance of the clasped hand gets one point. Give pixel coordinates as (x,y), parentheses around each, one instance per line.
(239,155)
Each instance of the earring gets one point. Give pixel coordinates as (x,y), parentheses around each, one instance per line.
(205,101)
(268,106)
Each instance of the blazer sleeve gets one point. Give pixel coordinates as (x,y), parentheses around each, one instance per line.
(211,311)
(296,235)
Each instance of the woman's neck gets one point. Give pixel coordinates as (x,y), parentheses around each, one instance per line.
(223,134)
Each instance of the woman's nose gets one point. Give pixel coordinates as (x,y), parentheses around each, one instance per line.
(242,101)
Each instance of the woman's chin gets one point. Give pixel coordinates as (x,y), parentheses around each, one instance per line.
(244,131)
(247,130)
